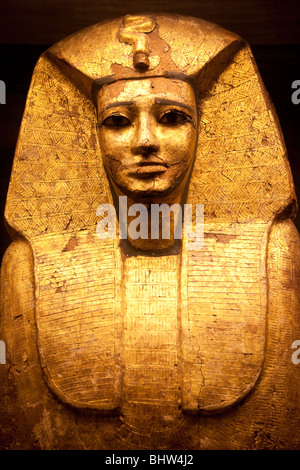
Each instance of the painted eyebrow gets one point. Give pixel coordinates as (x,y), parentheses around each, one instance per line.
(156,101)
(173,103)
(117,104)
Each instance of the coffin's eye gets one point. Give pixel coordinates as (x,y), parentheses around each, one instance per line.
(116,120)
(174,117)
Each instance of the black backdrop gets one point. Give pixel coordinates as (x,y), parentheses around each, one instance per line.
(28,28)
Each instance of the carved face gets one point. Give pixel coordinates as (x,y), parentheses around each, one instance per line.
(148,133)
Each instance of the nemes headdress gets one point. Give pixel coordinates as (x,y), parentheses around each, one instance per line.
(240,174)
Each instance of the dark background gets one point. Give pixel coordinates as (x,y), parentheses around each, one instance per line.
(28,27)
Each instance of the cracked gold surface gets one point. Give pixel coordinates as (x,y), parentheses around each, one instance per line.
(116,349)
